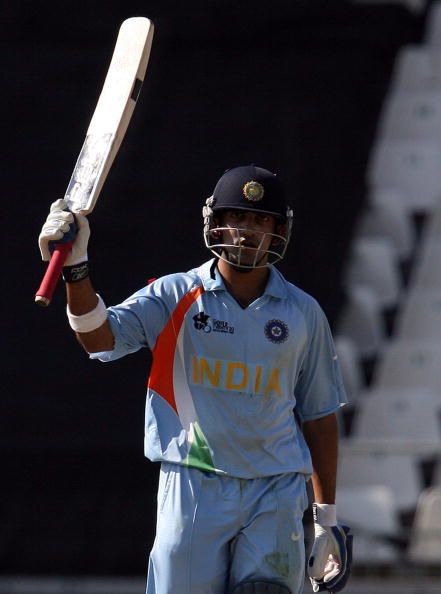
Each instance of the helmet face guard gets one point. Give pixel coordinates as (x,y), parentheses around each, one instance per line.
(227,242)
(252,189)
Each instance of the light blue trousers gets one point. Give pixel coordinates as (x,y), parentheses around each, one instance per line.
(214,532)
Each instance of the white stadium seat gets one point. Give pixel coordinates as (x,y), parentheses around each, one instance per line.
(420,317)
(372,466)
(432,227)
(432,34)
(427,268)
(410,415)
(416,69)
(411,115)
(372,514)
(425,541)
(411,167)
(387,217)
(373,263)
(362,322)
(409,364)
(350,366)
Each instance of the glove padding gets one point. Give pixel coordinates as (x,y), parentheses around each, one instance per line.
(330,560)
(62,226)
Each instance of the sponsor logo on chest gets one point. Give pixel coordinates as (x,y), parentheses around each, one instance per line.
(207,324)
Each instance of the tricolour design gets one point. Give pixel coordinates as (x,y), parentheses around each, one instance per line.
(161,373)
(168,379)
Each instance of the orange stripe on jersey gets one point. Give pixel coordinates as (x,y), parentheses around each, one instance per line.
(161,373)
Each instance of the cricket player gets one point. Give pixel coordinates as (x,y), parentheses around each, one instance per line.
(241,400)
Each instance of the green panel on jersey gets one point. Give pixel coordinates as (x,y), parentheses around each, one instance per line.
(199,455)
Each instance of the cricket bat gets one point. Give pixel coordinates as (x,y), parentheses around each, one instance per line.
(105,133)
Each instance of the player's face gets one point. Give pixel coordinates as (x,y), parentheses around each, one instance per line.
(248,234)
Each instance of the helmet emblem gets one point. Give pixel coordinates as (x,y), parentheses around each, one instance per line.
(253,191)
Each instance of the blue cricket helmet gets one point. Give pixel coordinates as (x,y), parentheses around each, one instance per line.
(250,188)
(253,189)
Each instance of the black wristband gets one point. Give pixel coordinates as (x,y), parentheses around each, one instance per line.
(76,273)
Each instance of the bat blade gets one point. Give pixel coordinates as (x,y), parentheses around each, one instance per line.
(106,130)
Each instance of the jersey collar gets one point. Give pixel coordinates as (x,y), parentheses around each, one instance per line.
(212,280)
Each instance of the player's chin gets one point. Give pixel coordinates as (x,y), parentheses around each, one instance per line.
(245,259)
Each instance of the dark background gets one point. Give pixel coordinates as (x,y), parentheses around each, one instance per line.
(294,86)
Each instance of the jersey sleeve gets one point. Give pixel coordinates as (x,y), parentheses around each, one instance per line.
(319,390)
(135,324)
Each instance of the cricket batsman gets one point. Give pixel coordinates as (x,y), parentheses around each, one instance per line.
(241,399)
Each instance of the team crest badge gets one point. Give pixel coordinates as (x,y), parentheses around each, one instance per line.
(253,191)
(276,331)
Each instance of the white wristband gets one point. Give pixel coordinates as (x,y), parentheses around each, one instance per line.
(89,321)
(325,514)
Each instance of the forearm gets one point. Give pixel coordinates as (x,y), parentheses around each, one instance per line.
(321,435)
(82,299)
(329,563)
(87,314)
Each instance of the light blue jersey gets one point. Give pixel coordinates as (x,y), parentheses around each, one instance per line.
(225,381)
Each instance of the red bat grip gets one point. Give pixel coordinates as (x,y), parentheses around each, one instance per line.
(44,294)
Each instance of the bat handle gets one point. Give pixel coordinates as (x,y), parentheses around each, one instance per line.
(44,294)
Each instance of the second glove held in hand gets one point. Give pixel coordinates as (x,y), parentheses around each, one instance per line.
(330,560)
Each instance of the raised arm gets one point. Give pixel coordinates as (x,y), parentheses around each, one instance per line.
(82,300)
(86,311)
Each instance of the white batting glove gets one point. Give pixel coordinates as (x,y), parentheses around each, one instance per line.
(330,560)
(59,226)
